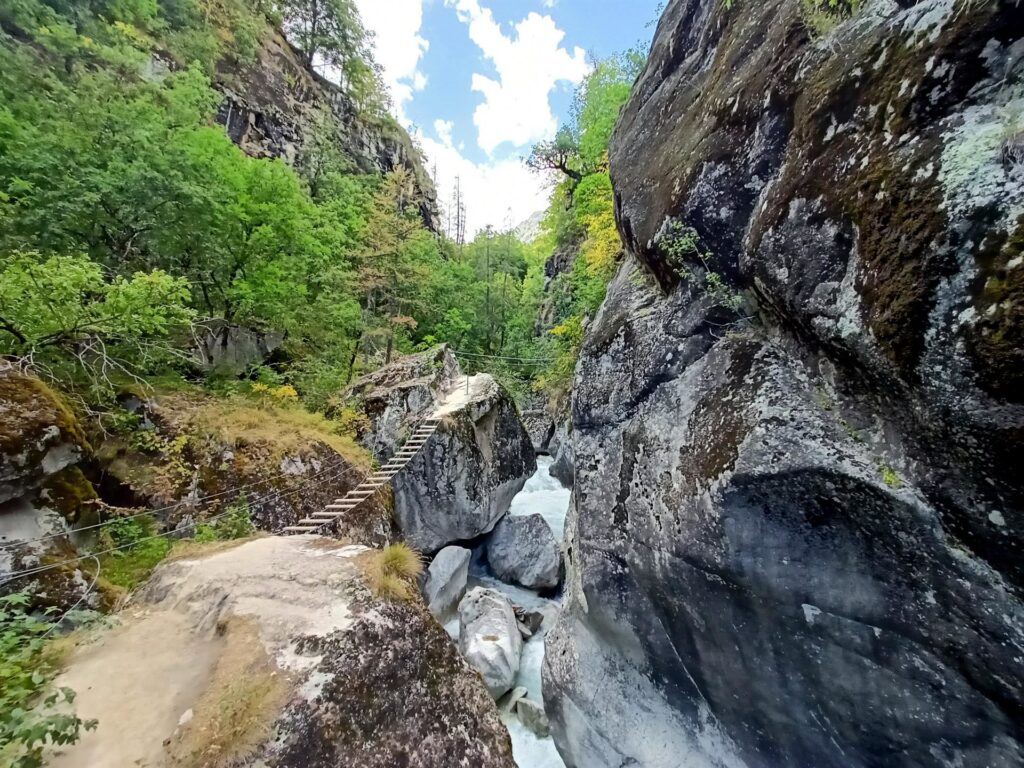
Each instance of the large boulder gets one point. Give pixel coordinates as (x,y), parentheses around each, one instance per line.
(229,350)
(489,638)
(462,481)
(396,397)
(798,415)
(274,653)
(523,550)
(447,576)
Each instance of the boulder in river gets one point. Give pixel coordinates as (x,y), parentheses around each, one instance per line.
(489,638)
(523,550)
(531,714)
(797,416)
(462,481)
(446,579)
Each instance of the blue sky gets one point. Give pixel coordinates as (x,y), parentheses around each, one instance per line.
(479,81)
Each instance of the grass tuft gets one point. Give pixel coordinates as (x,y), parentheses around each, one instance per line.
(391,572)
(401,560)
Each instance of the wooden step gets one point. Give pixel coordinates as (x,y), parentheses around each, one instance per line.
(301,529)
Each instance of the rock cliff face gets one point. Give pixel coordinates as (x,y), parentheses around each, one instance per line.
(275,107)
(798,417)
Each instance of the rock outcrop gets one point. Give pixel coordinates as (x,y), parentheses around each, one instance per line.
(523,550)
(797,418)
(461,483)
(230,350)
(272,652)
(489,638)
(275,107)
(446,582)
(396,397)
(43,493)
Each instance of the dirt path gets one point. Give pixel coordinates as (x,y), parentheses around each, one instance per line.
(137,680)
(203,662)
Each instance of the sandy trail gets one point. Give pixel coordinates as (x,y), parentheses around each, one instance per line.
(198,627)
(137,680)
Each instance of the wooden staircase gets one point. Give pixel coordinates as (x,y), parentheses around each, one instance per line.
(371,484)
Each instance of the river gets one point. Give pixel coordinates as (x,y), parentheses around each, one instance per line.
(545,495)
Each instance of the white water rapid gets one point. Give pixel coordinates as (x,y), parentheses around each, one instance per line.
(545,495)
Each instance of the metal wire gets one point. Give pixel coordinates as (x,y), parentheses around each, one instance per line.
(196,503)
(269,497)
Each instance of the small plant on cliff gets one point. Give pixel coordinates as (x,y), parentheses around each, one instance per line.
(392,572)
(138,551)
(236,524)
(684,253)
(31,715)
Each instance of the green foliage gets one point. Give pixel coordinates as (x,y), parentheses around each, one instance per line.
(330,32)
(236,524)
(890,476)
(140,551)
(32,715)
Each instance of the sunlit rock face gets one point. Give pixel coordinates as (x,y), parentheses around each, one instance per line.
(462,482)
(797,418)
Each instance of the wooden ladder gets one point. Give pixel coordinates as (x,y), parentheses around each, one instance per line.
(371,483)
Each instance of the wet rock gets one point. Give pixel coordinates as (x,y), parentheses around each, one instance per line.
(489,638)
(523,550)
(532,620)
(446,579)
(796,514)
(507,703)
(531,714)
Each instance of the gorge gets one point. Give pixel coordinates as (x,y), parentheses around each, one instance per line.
(714,464)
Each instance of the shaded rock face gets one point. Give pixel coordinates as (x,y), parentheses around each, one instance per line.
(523,550)
(796,517)
(446,579)
(275,107)
(489,638)
(563,468)
(231,349)
(463,481)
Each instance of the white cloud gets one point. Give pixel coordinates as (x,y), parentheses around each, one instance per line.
(398,46)
(530,64)
(494,193)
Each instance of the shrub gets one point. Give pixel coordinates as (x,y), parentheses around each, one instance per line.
(141,552)
(236,524)
(31,716)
